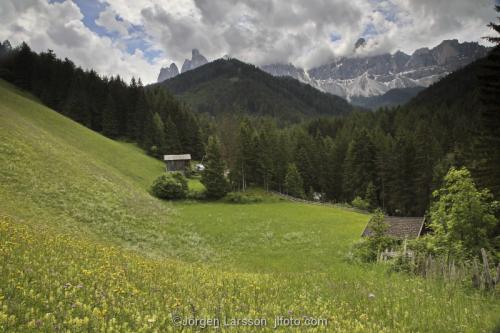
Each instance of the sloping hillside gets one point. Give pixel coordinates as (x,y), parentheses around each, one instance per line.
(60,172)
(72,204)
(391,98)
(231,86)
(458,88)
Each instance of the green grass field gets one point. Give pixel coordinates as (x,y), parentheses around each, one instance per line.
(84,247)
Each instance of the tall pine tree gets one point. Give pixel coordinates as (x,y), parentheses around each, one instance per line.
(489,146)
(213,177)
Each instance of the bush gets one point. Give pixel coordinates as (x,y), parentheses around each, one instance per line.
(170,186)
(360,204)
(243,198)
(463,217)
(368,249)
(196,195)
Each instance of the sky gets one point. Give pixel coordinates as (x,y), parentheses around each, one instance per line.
(136,38)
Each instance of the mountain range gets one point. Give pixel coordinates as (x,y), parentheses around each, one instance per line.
(229,86)
(367,76)
(369,81)
(197,60)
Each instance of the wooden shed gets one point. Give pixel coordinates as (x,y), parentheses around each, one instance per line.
(177,162)
(401,227)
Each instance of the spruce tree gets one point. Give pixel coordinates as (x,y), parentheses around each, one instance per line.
(359,165)
(266,146)
(109,119)
(304,159)
(245,158)
(489,144)
(23,66)
(158,146)
(426,152)
(402,176)
(294,185)
(172,142)
(371,196)
(213,176)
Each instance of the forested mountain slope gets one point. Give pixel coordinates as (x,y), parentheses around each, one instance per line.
(231,86)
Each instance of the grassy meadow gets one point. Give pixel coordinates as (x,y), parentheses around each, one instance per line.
(85,248)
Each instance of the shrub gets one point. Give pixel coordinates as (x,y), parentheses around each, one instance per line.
(360,204)
(462,217)
(243,198)
(368,249)
(196,195)
(170,186)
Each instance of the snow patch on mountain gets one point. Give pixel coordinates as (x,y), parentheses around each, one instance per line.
(376,75)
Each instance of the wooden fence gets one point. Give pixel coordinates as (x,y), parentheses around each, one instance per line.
(479,272)
(319,203)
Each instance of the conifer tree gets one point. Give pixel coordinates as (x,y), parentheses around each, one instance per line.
(109,119)
(213,177)
(402,171)
(266,145)
(172,142)
(426,152)
(282,156)
(304,159)
(245,158)
(294,185)
(158,145)
(489,145)
(371,196)
(360,165)
(23,66)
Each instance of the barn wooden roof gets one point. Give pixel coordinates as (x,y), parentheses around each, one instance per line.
(183,157)
(401,227)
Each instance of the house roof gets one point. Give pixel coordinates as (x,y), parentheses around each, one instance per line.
(401,227)
(183,157)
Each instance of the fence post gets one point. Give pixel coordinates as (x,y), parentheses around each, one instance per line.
(486,269)
(497,280)
(476,280)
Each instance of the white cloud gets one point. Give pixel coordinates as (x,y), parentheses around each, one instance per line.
(59,26)
(265,31)
(425,23)
(107,19)
(256,31)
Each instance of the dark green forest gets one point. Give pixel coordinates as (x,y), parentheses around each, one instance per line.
(392,158)
(153,118)
(234,87)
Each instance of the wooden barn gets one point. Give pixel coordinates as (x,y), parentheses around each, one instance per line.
(401,227)
(180,163)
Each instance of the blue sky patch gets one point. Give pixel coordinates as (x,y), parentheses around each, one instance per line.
(334,36)
(136,38)
(369,31)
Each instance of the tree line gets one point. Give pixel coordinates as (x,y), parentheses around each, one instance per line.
(151,117)
(393,158)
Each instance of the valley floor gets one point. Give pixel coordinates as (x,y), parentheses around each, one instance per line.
(85,247)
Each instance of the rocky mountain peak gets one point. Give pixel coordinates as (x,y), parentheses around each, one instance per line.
(361,42)
(168,72)
(197,60)
(375,75)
